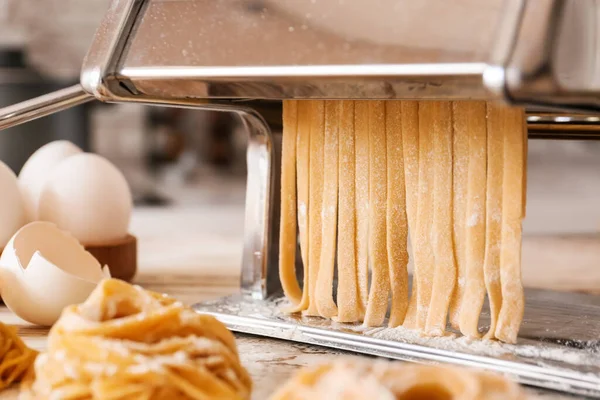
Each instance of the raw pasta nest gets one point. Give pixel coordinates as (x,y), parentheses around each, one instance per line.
(350,379)
(124,342)
(16,359)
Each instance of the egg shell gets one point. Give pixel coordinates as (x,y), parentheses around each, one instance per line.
(12,210)
(89,197)
(44,269)
(37,169)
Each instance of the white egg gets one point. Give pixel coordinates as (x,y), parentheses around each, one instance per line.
(43,270)
(12,211)
(89,197)
(36,170)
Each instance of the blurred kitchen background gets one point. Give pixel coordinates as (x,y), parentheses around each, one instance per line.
(192,159)
(168,155)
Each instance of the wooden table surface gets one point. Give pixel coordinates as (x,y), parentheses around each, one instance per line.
(194,254)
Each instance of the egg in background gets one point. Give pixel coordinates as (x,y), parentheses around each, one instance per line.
(12,210)
(38,168)
(89,197)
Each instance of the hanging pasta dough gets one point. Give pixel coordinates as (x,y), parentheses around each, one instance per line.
(410,151)
(471,122)
(348,296)
(287,234)
(513,199)
(368,174)
(460,165)
(397,224)
(323,294)
(379,290)
(315,194)
(493,245)
(303,179)
(361,126)
(424,259)
(444,276)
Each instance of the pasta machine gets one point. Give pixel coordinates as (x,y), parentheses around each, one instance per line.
(245,56)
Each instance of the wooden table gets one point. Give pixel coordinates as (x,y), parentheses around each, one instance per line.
(194,254)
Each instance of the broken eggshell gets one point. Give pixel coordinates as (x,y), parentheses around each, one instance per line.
(44,269)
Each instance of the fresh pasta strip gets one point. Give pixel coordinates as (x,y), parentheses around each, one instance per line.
(127,343)
(361,129)
(410,150)
(460,165)
(323,294)
(493,246)
(287,233)
(349,307)
(444,276)
(397,225)
(379,289)
(303,183)
(317,142)
(513,199)
(424,259)
(473,117)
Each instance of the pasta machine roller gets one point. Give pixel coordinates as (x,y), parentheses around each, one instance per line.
(245,56)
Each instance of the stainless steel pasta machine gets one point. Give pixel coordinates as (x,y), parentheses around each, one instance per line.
(245,56)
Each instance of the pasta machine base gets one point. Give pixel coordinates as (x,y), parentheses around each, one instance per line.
(558,346)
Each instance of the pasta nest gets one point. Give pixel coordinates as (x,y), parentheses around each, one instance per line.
(16,359)
(350,379)
(125,342)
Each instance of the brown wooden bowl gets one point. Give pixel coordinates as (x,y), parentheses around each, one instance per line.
(120,256)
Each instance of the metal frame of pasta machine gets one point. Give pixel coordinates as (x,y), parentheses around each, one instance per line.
(545,55)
